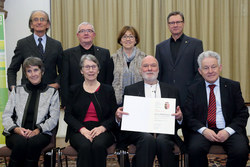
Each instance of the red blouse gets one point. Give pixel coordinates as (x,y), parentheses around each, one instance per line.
(91,113)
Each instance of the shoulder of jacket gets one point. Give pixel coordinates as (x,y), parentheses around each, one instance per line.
(100,48)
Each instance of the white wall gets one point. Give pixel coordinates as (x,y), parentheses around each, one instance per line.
(16,23)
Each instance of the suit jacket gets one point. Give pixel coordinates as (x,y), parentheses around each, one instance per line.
(233,108)
(52,59)
(104,102)
(183,71)
(71,69)
(167,91)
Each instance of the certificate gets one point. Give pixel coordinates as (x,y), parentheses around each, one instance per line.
(152,115)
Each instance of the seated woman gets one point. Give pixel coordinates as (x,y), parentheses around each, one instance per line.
(31,113)
(90,116)
(127,61)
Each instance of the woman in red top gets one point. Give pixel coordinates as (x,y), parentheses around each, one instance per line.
(90,116)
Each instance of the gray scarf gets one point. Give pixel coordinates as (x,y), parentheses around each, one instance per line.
(128,74)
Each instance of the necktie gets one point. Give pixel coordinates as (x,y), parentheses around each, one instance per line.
(40,46)
(211,117)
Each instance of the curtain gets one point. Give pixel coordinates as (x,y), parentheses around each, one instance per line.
(222,25)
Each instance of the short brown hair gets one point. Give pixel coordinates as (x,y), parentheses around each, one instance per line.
(174,14)
(132,30)
(33,61)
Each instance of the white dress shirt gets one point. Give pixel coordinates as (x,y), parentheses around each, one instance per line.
(44,37)
(220,121)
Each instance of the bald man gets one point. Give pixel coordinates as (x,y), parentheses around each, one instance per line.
(147,146)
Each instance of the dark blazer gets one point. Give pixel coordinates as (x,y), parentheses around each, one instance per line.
(71,69)
(183,71)
(167,91)
(52,59)
(105,104)
(233,108)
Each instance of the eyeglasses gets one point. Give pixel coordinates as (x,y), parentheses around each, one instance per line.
(130,37)
(175,22)
(87,67)
(87,30)
(42,19)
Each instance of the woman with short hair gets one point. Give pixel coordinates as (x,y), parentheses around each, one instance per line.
(30,115)
(90,116)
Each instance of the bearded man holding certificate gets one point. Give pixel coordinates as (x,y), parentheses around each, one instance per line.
(147,144)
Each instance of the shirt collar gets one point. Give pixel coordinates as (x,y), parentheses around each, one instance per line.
(90,49)
(216,83)
(43,37)
(148,85)
(179,39)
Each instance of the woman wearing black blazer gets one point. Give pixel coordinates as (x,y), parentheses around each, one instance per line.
(90,116)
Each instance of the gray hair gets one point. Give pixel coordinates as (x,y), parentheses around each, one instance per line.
(89,57)
(30,19)
(33,61)
(206,54)
(85,23)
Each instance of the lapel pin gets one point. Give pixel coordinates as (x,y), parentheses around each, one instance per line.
(186,41)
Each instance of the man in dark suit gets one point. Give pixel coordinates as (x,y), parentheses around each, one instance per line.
(146,145)
(177,56)
(71,59)
(48,50)
(215,113)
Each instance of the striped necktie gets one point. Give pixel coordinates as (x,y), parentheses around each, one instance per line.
(211,117)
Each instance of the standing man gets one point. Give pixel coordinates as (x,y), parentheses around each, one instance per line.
(215,113)
(146,145)
(177,56)
(39,45)
(71,59)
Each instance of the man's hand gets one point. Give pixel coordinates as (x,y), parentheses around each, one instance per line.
(118,114)
(210,135)
(55,85)
(223,135)
(97,131)
(12,87)
(178,114)
(85,132)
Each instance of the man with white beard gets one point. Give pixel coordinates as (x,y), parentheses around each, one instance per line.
(147,146)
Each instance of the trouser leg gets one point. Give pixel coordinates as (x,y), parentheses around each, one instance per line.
(165,148)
